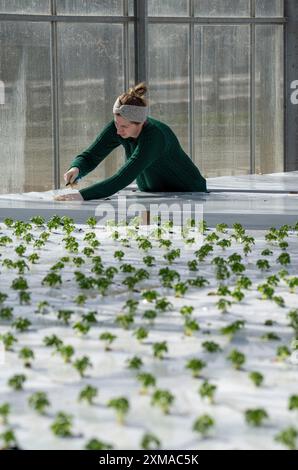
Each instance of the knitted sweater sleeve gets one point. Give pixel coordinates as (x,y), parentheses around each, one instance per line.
(104,143)
(146,152)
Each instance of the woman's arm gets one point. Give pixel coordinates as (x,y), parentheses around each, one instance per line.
(146,152)
(104,143)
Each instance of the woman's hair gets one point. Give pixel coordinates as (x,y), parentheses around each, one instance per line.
(135,96)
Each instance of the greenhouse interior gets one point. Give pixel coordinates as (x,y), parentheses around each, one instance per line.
(148,225)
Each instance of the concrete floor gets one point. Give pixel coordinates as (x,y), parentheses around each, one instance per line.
(255,201)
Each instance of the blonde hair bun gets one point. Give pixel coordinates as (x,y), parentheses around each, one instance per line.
(138,90)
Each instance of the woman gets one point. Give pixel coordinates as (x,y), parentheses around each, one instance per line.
(154,156)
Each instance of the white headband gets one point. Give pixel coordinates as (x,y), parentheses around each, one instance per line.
(130,112)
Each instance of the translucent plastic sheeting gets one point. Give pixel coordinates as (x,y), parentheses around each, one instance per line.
(37,7)
(26,116)
(90,7)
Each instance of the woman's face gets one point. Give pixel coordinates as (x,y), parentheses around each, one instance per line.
(126,128)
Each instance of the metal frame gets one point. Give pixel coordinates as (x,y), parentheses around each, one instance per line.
(141,21)
(64,18)
(141,41)
(214,20)
(291,76)
(191,81)
(126,52)
(55,99)
(252,104)
(150,19)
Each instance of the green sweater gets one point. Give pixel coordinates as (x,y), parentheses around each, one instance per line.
(155,159)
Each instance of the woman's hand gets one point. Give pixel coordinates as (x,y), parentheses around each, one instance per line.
(69,197)
(71,175)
